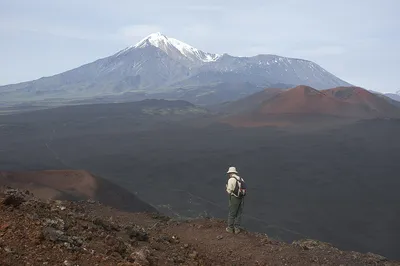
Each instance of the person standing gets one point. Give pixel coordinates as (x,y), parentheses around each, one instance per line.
(236,189)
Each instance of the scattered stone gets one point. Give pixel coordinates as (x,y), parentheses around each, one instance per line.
(116,245)
(110,240)
(308,244)
(76,241)
(54,235)
(4,227)
(137,233)
(105,225)
(375,257)
(179,260)
(164,238)
(140,257)
(174,222)
(13,198)
(58,236)
(56,223)
(43,235)
(193,255)
(161,217)
(33,216)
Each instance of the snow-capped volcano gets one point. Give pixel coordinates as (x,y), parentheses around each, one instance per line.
(171,46)
(160,66)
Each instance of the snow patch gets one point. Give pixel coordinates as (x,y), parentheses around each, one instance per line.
(188,50)
(163,42)
(156,39)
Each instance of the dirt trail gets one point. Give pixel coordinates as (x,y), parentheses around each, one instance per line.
(209,237)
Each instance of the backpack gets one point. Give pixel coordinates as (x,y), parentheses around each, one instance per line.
(240,188)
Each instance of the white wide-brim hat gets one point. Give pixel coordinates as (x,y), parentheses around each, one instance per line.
(232,170)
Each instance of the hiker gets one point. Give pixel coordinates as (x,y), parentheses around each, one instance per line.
(236,189)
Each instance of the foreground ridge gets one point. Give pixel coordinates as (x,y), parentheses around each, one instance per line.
(89,233)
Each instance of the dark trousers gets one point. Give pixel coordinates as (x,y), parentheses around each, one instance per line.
(235,211)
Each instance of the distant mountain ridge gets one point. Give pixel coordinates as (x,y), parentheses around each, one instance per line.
(271,106)
(394,96)
(162,65)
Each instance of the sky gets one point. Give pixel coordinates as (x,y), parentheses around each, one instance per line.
(356,40)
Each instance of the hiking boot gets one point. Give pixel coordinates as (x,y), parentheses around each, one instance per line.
(237,230)
(229,229)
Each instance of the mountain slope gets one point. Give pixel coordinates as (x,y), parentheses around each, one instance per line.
(248,103)
(303,102)
(74,185)
(369,100)
(302,99)
(394,96)
(263,69)
(389,97)
(175,48)
(162,64)
(37,232)
(111,140)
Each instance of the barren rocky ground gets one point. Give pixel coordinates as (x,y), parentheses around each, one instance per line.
(37,232)
(339,185)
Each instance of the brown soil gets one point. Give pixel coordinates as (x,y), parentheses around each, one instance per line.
(294,106)
(360,96)
(34,232)
(301,99)
(250,102)
(73,185)
(80,182)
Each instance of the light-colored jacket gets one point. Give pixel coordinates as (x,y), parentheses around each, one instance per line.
(230,186)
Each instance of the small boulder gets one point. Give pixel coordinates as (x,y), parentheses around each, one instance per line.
(4,227)
(140,257)
(137,233)
(193,255)
(375,258)
(308,244)
(56,223)
(54,235)
(13,198)
(8,250)
(108,226)
(116,245)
